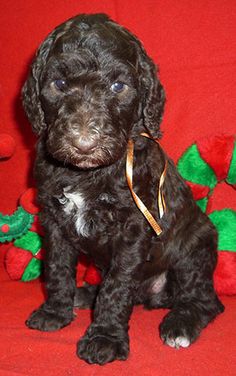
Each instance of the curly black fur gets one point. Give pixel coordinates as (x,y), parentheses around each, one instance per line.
(84,123)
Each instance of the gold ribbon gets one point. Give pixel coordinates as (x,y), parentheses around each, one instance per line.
(129,176)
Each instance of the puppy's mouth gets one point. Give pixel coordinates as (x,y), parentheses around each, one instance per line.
(99,156)
(87,151)
(93,159)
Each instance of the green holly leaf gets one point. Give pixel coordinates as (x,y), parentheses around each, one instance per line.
(231,178)
(225,222)
(202,203)
(33,270)
(194,169)
(31,241)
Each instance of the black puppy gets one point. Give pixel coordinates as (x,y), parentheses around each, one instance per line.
(91,89)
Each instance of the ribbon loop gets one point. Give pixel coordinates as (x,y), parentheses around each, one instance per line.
(129,176)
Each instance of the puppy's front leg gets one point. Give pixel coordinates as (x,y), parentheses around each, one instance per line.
(107,337)
(60,271)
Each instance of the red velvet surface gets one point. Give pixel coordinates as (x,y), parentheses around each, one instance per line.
(194,44)
(29,352)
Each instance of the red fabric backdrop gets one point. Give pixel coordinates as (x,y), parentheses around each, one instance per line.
(194,44)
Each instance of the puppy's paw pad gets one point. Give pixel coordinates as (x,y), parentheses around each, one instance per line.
(101,350)
(177,331)
(47,321)
(177,342)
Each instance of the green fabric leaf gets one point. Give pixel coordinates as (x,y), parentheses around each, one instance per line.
(19,223)
(193,168)
(225,222)
(33,270)
(31,241)
(231,178)
(202,203)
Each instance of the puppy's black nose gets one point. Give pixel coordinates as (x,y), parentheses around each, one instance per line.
(85,144)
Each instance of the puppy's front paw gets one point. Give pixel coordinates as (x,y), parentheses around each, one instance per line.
(48,321)
(102,349)
(177,331)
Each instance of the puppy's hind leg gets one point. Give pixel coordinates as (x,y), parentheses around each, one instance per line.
(195,303)
(85,296)
(155,293)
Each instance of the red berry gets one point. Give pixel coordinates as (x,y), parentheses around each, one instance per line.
(5,228)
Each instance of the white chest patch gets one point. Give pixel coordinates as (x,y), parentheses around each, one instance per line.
(75,205)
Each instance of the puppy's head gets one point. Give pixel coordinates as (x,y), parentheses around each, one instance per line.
(92,87)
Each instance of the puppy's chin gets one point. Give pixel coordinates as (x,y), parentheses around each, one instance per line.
(86,161)
(87,164)
(93,162)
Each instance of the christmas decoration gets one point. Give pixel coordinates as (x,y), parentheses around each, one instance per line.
(205,165)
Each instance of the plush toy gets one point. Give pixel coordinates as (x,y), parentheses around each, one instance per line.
(205,165)
(23,259)
(15,225)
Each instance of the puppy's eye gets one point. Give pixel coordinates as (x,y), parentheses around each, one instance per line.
(118,87)
(60,84)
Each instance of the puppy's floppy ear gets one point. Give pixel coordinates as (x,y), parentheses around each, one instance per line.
(153,95)
(30,90)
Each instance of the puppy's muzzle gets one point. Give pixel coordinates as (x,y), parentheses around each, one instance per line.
(85,144)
